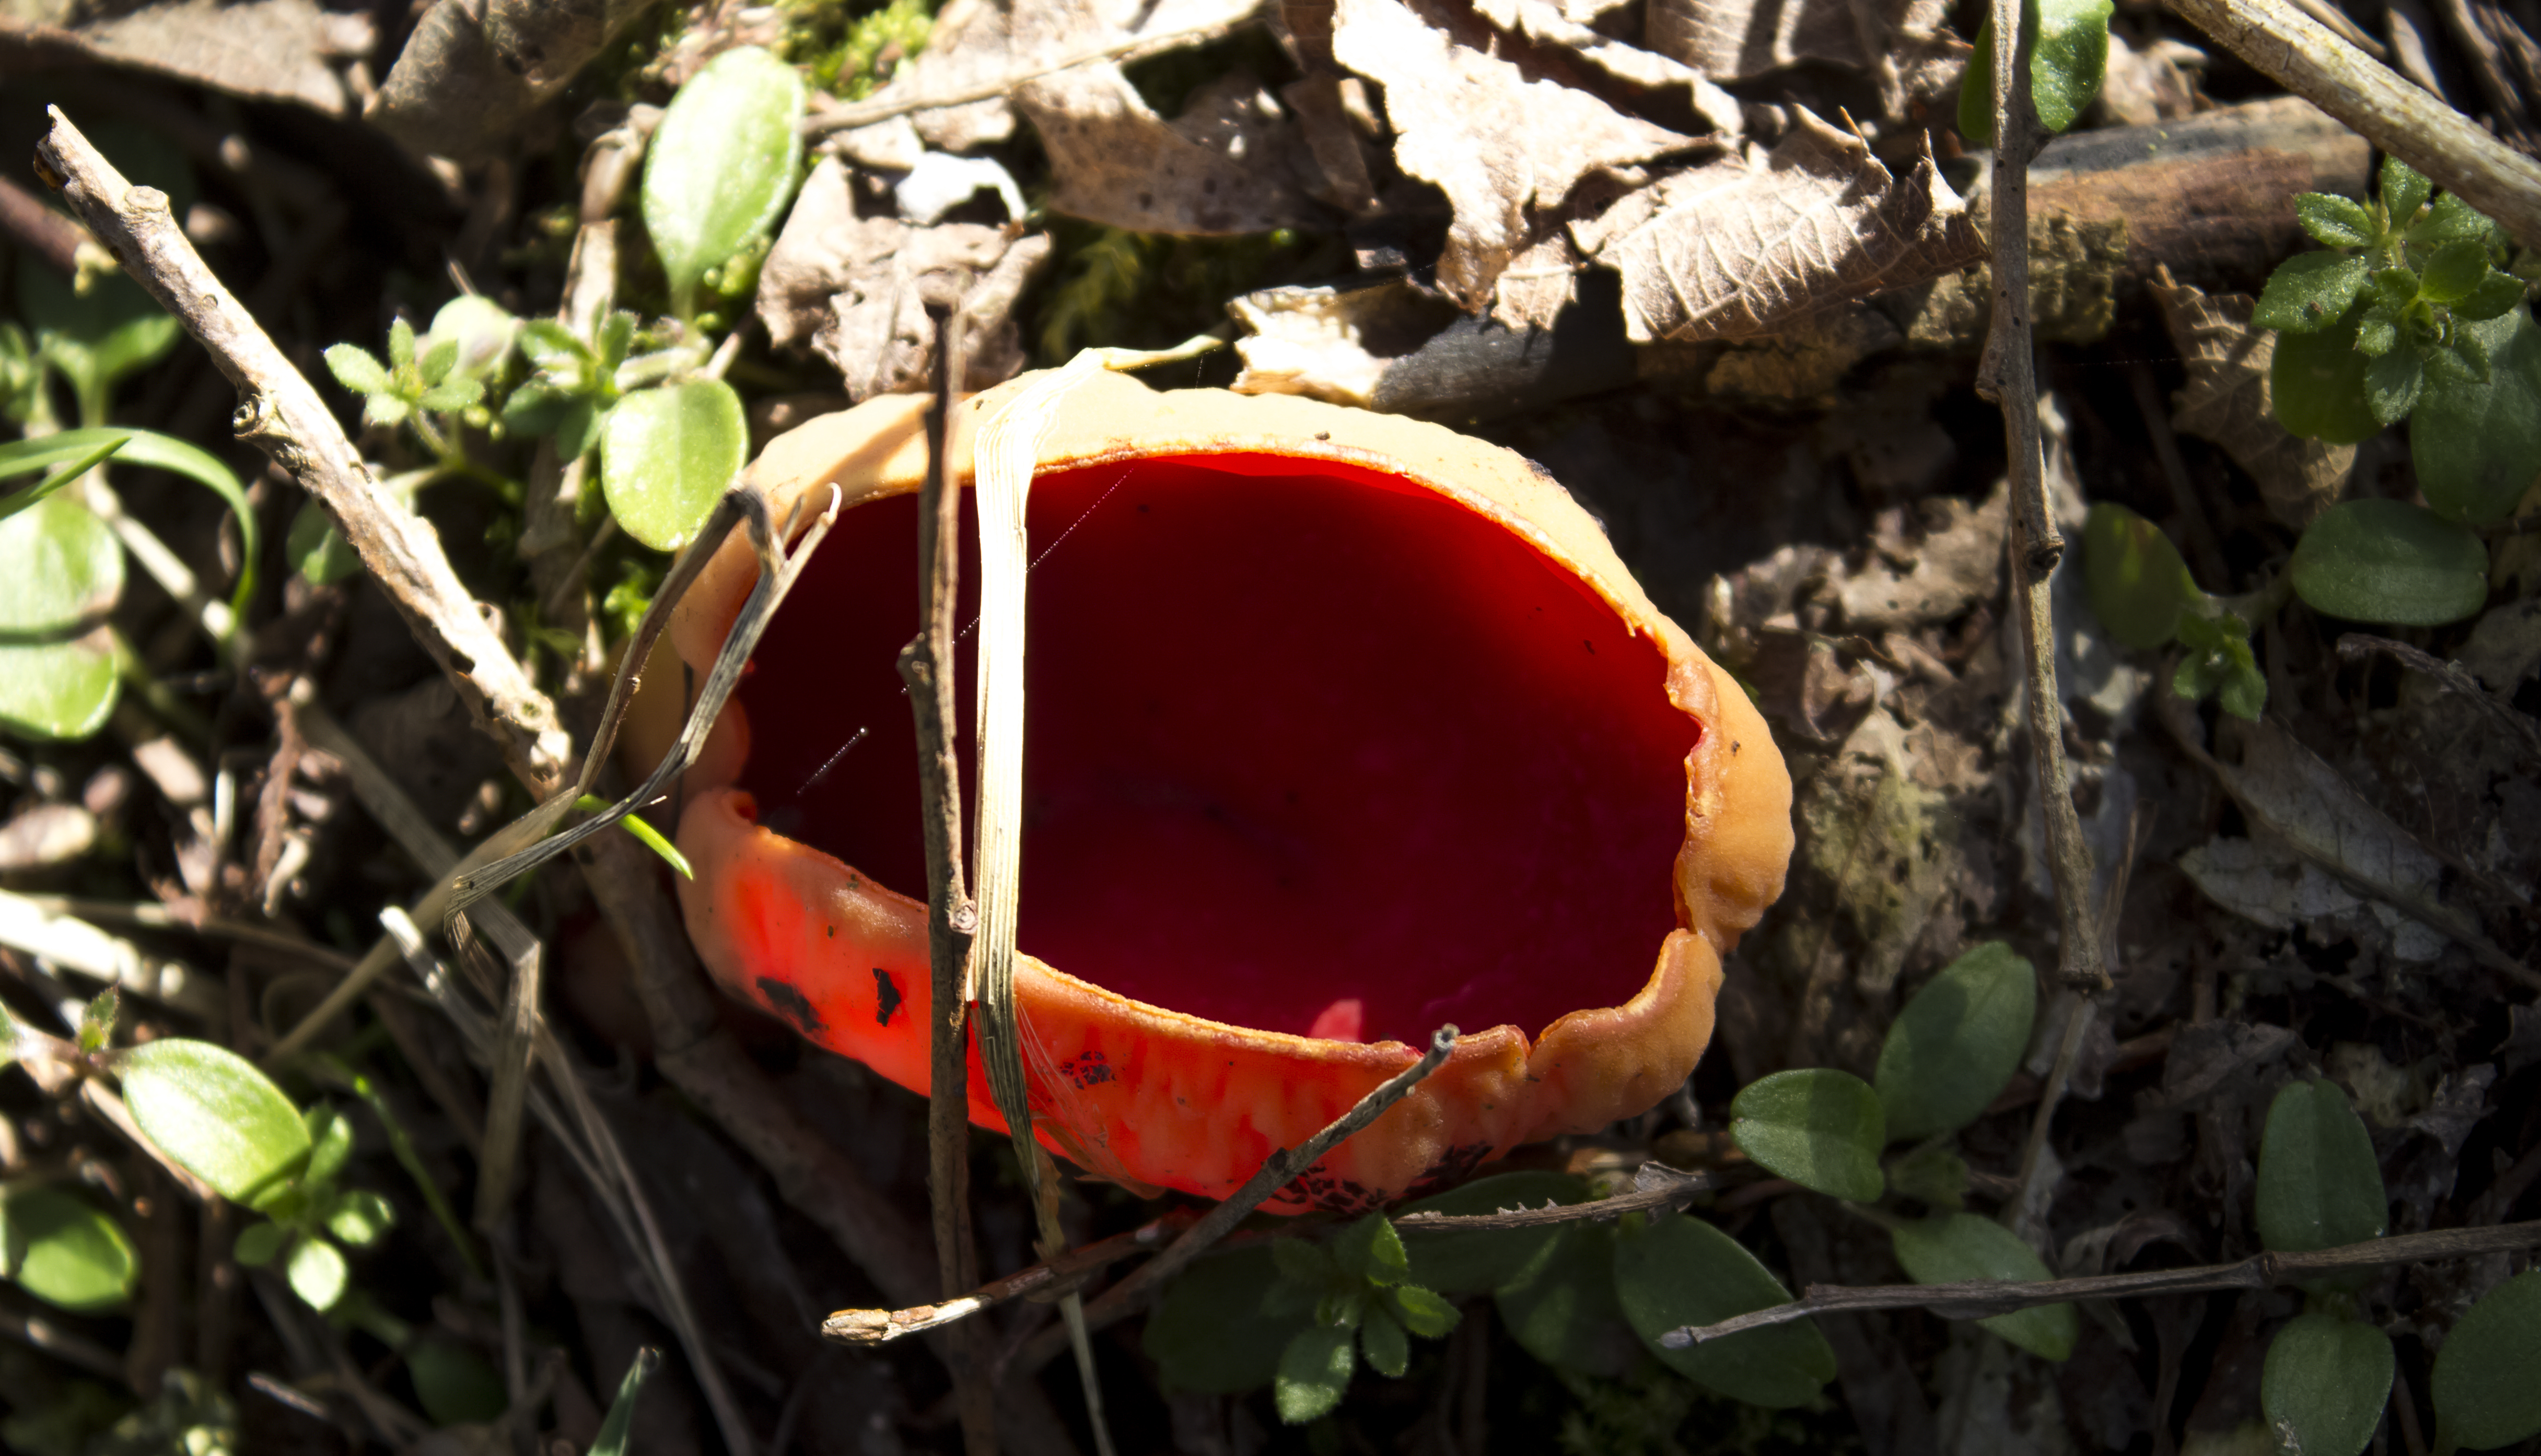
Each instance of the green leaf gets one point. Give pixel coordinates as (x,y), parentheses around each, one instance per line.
(2312,291)
(2139,583)
(1387,1349)
(2218,661)
(151,450)
(2395,288)
(667,455)
(257,1243)
(1948,1248)
(400,346)
(317,550)
(437,359)
(96,1020)
(721,164)
(317,1273)
(645,834)
(1480,1261)
(95,338)
(2318,383)
(452,394)
(2319,1186)
(1566,1312)
(1213,1332)
(65,1252)
(2452,220)
(1314,1370)
(2333,220)
(1341,1308)
(2066,66)
(1307,1263)
(1679,1271)
(2389,561)
(2496,293)
(2477,446)
(60,690)
(209,1109)
(1955,1045)
(1820,1127)
(360,1218)
(455,1385)
(617,1427)
(357,369)
(2453,270)
(2404,190)
(482,330)
(2378,332)
(17,459)
(2391,385)
(2326,1382)
(2484,1388)
(1424,1312)
(1370,1250)
(64,568)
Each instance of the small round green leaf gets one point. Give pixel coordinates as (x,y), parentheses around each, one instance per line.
(2067,65)
(1818,1127)
(1371,1250)
(2326,1381)
(2453,270)
(57,689)
(2319,1186)
(2310,291)
(208,1108)
(665,456)
(1314,1371)
(2405,189)
(64,567)
(2477,444)
(257,1243)
(455,1384)
(357,368)
(721,163)
(360,1218)
(2140,584)
(2392,562)
(1956,1044)
(65,1252)
(1212,1333)
(1679,1271)
(1388,1349)
(482,330)
(2450,219)
(2392,382)
(317,1273)
(316,549)
(1952,1248)
(1479,1263)
(2333,220)
(2485,1391)
(2318,383)
(1565,1311)
(1424,1312)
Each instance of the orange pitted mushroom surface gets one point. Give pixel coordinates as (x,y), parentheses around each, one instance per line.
(1340,727)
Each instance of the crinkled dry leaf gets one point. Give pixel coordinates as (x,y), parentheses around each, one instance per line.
(1733,39)
(856,289)
(1747,246)
(2151,80)
(1955,563)
(2229,402)
(1538,284)
(1232,163)
(1551,25)
(267,49)
(1502,147)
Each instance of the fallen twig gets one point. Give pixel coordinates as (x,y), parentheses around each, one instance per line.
(1976,1300)
(872,1327)
(2306,58)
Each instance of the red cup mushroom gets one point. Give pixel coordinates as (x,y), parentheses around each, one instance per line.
(1342,727)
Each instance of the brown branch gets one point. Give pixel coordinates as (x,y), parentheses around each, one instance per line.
(871,1327)
(2304,57)
(2008,377)
(1278,1171)
(283,415)
(1976,1300)
(39,229)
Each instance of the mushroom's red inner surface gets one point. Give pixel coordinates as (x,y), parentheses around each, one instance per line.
(1308,750)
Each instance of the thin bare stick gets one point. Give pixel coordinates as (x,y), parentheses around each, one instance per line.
(926,664)
(1278,1171)
(867,1327)
(2306,58)
(2008,378)
(1977,1300)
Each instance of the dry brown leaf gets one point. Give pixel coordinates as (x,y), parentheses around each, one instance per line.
(1501,146)
(856,289)
(267,49)
(1733,39)
(1548,24)
(1538,284)
(2229,402)
(1747,246)
(2151,80)
(1232,163)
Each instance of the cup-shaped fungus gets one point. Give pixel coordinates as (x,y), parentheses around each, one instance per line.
(1340,726)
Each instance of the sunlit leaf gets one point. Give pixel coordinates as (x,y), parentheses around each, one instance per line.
(617,1427)
(2326,1381)
(1951,1248)
(16,458)
(1480,1261)
(317,1273)
(208,1108)
(63,1251)
(62,690)
(1424,1312)
(2069,59)
(1314,1372)
(2391,561)
(721,164)
(1677,1271)
(666,457)
(2319,1186)
(64,568)
(2485,1390)
(316,549)
(1818,1127)
(95,338)
(2405,189)
(1955,1045)
(151,450)
(2310,291)
(355,368)
(1371,1250)
(2333,220)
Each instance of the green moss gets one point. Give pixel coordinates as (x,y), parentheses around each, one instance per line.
(1148,291)
(850,51)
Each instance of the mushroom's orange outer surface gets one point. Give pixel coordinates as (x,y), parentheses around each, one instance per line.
(1340,727)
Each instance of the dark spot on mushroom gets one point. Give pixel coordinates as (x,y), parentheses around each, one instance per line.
(833,933)
(792,1005)
(886,996)
(1323,435)
(1090,1069)
(1592,646)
